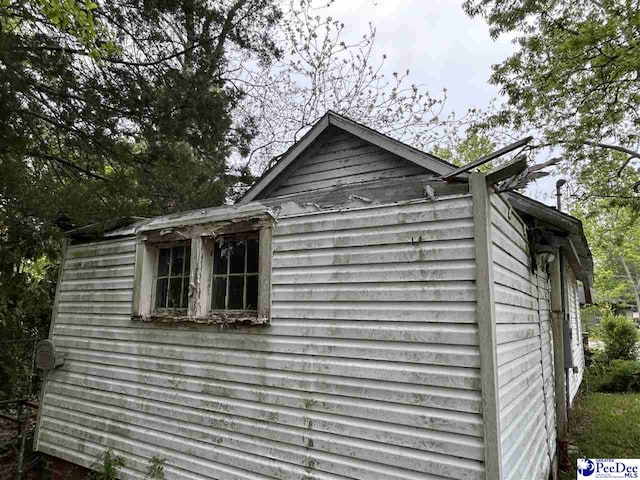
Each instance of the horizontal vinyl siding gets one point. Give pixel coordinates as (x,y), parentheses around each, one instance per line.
(343,159)
(369,369)
(577,351)
(525,368)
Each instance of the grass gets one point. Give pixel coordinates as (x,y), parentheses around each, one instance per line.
(605,425)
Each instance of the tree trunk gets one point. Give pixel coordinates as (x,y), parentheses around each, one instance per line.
(634,284)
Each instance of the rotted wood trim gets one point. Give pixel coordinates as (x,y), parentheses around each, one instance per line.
(264,271)
(486,319)
(54,314)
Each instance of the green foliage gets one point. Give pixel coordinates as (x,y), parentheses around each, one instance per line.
(573,77)
(588,314)
(613,232)
(110,109)
(612,376)
(605,426)
(620,336)
(623,376)
(107,468)
(155,470)
(472,146)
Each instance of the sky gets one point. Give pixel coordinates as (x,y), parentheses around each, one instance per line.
(440,45)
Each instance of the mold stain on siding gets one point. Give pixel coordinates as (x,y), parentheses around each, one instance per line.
(369,368)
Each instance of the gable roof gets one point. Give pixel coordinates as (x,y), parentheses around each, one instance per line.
(332,119)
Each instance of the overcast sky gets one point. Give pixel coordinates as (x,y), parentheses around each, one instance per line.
(439,44)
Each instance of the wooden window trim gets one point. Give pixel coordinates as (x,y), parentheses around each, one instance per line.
(201,276)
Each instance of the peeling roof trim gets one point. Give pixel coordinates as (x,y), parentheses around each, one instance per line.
(577,245)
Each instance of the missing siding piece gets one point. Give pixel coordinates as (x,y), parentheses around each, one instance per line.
(352,201)
(295,208)
(355,201)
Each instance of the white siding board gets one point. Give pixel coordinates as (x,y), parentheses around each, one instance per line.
(434,252)
(437,312)
(409,352)
(369,368)
(577,353)
(525,369)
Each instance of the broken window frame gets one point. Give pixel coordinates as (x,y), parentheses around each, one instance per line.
(203,239)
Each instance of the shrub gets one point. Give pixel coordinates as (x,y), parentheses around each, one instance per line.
(620,336)
(108,468)
(621,376)
(596,373)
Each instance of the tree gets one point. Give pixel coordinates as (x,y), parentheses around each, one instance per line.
(472,146)
(134,108)
(614,237)
(321,71)
(574,77)
(111,109)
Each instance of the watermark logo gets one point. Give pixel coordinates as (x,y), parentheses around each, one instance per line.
(608,468)
(586,467)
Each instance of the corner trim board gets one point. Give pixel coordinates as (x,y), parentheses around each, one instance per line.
(486,320)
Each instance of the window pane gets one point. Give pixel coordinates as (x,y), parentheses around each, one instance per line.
(218,293)
(252,292)
(220,255)
(161,293)
(236,256)
(163,262)
(177,261)
(236,292)
(252,256)
(175,292)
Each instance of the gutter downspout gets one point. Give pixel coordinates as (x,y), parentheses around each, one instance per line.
(568,354)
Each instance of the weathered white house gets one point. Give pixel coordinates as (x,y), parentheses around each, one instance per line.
(355,316)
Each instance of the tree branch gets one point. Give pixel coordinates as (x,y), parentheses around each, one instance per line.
(66,163)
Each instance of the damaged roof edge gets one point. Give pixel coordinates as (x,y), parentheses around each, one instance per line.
(577,246)
(126,226)
(101,229)
(123,226)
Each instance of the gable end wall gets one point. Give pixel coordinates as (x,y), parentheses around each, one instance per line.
(336,159)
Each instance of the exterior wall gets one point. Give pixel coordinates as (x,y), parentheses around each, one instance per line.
(525,351)
(577,352)
(342,159)
(369,369)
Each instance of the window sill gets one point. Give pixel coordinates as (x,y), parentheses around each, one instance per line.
(214,318)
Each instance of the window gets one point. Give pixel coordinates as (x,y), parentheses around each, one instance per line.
(235,274)
(212,273)
(172,277)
